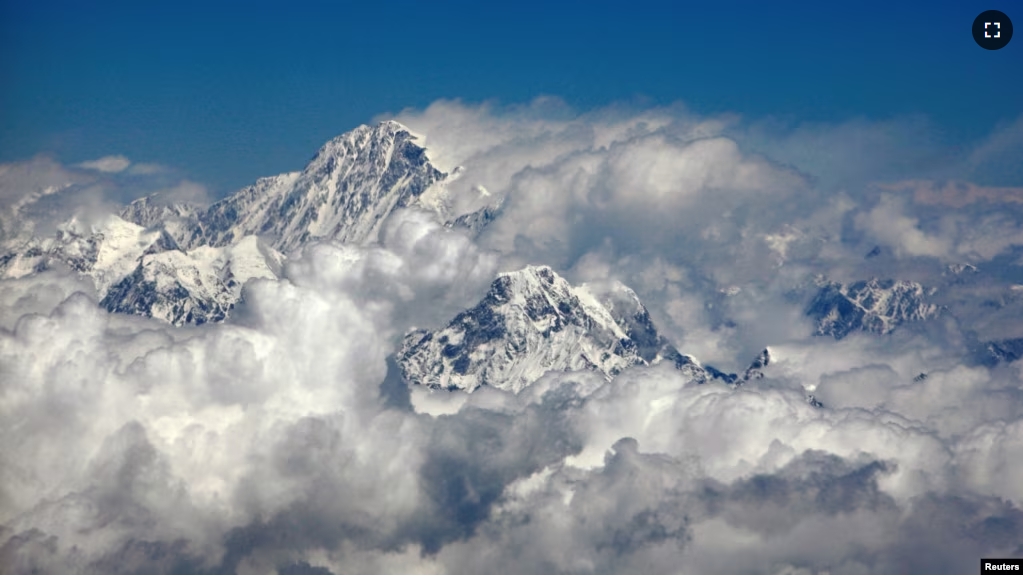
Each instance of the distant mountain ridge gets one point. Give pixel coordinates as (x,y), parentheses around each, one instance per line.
(877,306)
(1007,350)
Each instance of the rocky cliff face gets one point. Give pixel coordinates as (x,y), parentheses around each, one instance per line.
(877,306)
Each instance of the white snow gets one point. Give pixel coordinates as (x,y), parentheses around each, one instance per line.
(121,246)
(532,322)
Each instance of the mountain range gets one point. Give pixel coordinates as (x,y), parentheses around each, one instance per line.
(187,264)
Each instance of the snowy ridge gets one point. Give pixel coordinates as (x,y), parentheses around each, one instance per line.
(105,251)
(194,287)
(533,321)
(149,212)
(143,271)
(877,306)
(353,183)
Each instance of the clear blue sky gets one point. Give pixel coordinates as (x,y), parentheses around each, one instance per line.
(228,91)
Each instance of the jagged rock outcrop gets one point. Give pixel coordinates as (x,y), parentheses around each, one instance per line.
(877,306)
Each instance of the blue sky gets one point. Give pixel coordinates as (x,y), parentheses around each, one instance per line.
(228,91)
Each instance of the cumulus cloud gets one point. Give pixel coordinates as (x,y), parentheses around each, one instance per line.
(887,224)
(284,441)
(739,482)
(23,184)
(106,164)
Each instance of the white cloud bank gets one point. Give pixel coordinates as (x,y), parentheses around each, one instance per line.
(278,441)
(886,223)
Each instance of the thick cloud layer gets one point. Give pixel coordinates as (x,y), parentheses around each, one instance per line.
(282,440)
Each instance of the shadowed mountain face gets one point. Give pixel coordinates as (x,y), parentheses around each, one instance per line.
(1008,350)
(877,306)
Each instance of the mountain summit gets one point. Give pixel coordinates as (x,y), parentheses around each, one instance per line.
(344,194)
(532,321)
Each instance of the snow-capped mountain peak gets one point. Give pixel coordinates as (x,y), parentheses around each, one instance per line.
(345,192)
(533,321)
